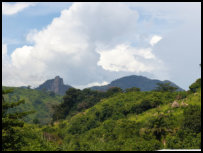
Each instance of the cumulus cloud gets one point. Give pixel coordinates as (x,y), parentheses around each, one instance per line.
(126,58)
(71,46)
(155,39)
(10,8)
(19,73)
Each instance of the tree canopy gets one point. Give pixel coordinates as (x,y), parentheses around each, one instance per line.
(165,87)
(12,124)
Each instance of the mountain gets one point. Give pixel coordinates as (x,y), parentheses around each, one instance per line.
(55,85)
(144,83)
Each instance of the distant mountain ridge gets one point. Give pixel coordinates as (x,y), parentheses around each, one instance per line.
(144,83)
(55,85)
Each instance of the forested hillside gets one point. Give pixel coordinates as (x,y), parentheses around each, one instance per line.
(126,120)
(39,101)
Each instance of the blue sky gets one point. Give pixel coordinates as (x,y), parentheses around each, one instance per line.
(95,43)
(15,27)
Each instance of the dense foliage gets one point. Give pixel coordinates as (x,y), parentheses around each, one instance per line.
(76,100)
(165,87)
(189,135)
(116,120)
(194,87)
(12,124)
(40,101)
(134,120)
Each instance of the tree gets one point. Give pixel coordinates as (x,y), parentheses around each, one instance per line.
(197,84)
(132,89)
(165,87)
(160,125)
(36,121)
(71,97)
(113,90)
(82,106)
(12,124)
(58,113)
(29,86)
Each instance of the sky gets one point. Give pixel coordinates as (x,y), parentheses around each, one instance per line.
(95,43)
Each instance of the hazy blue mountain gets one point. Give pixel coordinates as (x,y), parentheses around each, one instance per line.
(55,85)
(144,83)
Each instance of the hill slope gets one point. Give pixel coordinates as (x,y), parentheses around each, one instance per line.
(144,83)
(40,101)
(135,121)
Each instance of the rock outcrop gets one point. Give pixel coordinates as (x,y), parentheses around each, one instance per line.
(183,104)
(175,104)
(55,85)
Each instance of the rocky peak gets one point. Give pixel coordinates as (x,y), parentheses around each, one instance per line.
(56,85)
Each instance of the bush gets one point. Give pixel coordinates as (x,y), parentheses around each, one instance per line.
(106,112)
(143,106)
(184,139)
(192,118)
(137,144)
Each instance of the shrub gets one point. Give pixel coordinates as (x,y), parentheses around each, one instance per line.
(192,118)
(132,89)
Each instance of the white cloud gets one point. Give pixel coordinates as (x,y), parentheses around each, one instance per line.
(155,39)
(69,47)
(4,50)
(92,84)
(10,8)
(30,36)
(126,58)
(18,69)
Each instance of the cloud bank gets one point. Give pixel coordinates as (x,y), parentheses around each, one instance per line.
(86,45)
(126,58)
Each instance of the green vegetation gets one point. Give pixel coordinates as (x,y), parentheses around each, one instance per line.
(40,101)
(165,87)
(11,125)
(194,87)
(76,100)
(116,120)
